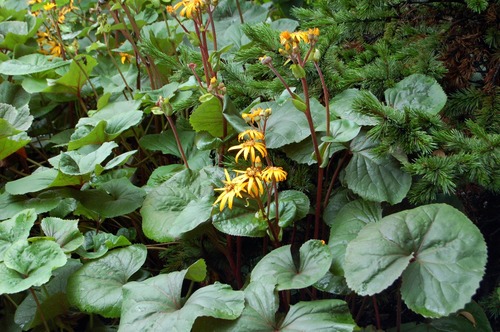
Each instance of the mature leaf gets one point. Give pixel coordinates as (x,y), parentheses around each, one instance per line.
(26,265)
(177,206)
(30,64)
(262,305)
(76,76)
(293,205)
(113,198)
(342,106)
(10,205)
(43,178)
(52,298)
(259,314)
(106,124)
(375,178)
(439,252)
(65,232)
(18,118)
(14,229)
(346,226)
(208,117)
(333,284)
(97,286)
(239,222)
(286,125)
(278,266)
(12,143)
(320,315)
(156,305)
(14,95)
(418,92)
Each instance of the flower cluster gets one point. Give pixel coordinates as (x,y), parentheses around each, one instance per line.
(292,40)
(191,9)
(254,180)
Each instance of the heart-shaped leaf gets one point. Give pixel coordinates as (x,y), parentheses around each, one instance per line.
(417,91)
(14,229)
(260,314)
(375,178)
(239,222)
(278,266)
(97,286)
(440,254)
(26,265)
(113,198)
(156,304)
(98,244)
(177,206)
(346,226)
(65,232)
(52,299)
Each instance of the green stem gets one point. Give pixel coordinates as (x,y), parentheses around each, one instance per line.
(38,305)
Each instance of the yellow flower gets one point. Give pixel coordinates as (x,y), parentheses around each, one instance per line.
(251,134)
(252,179)
(191,7)
(231,189)
(49,6)
(273,173)
(125,57)
(249,147)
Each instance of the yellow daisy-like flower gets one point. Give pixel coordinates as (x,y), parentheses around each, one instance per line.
(231,189)
(273,173)
(191,7)
(252,179)
(251,134)
(125,57)
(248,148)
(49,6)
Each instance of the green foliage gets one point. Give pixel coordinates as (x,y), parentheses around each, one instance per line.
(180,168)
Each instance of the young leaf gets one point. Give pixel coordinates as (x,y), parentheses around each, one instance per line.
(97,286)
(26,265)
(440,254)
(65,233)
(278,267)
(375,178)
(14,229)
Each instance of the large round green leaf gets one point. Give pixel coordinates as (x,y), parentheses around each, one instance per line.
(418,92)
(440,254)
(278,266)
(321,315)
(375,178)
(177,206)
(261,306)
(113,198)
(52,298)
(342,106)
(346,226)
(156,304)
(26,265)
(16,228)
(97,286)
